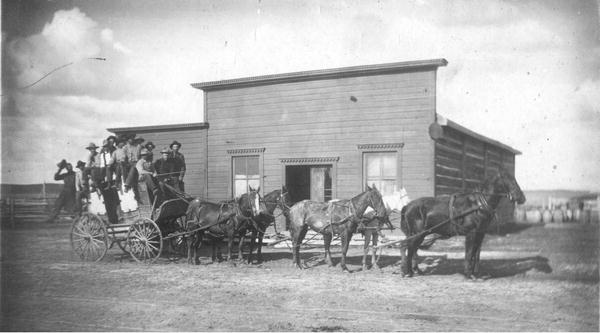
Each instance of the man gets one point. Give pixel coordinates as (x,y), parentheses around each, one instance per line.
(91,159)
(81,186)
(165,168)
(66,199)
(119,158)
(146,172)
(105,163)
(150,146)
(112,143)
(179,161)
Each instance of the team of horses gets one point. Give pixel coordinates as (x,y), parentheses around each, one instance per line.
(423,221)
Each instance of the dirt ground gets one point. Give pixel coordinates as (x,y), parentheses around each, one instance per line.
(542,279)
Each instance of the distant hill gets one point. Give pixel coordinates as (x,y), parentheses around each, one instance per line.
(540,197)
(19,191)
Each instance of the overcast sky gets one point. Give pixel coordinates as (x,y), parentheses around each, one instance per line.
(526,73)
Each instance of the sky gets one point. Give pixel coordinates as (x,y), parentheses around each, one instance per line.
(526,73)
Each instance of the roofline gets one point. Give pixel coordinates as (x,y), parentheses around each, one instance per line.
(331,73)
(443,121)
(158,127)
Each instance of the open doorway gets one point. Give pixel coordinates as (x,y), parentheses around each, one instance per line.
(311,182)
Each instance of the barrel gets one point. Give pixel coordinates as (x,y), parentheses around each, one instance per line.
(519,214)
(569,215)
(547,216)
(577,215)
(558,216)
(533,216)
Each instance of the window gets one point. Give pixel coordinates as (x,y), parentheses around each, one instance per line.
(246,173)
(380,169)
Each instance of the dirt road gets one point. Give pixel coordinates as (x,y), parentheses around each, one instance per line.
(543,279)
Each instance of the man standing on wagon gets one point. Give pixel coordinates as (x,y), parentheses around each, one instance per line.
(179,161)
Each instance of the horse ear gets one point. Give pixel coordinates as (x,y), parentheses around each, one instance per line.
(258,189)
(250,188)
(375,187)
(283,188)
(368,187)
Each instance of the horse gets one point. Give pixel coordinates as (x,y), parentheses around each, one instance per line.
(338,217)
(371,225)
(467,214)
(277,198)
(220,220)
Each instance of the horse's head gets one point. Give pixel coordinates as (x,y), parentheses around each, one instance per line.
(503,183)
(376,202)
(277,198)
(253,201)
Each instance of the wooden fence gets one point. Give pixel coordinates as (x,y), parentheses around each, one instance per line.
(14,211)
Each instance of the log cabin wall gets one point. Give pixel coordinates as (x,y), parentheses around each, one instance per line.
(462,162)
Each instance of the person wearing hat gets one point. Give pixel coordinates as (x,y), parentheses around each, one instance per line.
(146,172)
(165,168)
(132,153)
(119,158)
(81,186)
(150,146)
(91,159)
(179,163)
(66,198)
(105,163)
(111,143)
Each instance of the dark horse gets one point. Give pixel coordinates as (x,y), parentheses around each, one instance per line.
(220,220)
(328,218)
(272,200)
(444,216)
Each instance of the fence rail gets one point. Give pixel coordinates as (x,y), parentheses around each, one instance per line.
(30,209)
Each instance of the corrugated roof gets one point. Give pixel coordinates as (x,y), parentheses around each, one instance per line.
(443,121)
(157,127)
(320,74)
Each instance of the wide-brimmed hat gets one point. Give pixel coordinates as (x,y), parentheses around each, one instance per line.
(140,140)
(105,143)
(175,143)
(144,152)
(150,144)
(165,151)
(111,137)
(80,164)
(92,146)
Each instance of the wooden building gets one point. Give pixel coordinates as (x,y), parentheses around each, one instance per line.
(326,133)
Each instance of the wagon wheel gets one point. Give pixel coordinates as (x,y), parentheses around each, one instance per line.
(144,241)
(178,244)
(89,238)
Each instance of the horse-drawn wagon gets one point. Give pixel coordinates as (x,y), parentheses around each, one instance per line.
(141,231)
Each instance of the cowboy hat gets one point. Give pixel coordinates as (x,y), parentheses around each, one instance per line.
(150,144)
(140,140)
(92,146)
(164,151)
(175,143)
(80,164)
(111,137)
(144,152)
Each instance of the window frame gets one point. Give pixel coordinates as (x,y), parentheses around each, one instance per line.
(391,148)
(247,152)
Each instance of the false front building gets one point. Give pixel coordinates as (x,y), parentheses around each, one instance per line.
(326,133)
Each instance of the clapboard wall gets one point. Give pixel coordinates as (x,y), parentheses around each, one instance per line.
(323,119)
(193,140)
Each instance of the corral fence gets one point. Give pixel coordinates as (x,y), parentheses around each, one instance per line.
(15,210)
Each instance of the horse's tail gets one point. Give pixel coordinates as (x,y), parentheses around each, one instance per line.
(404,225)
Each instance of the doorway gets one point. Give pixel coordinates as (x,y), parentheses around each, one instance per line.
(311,182)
